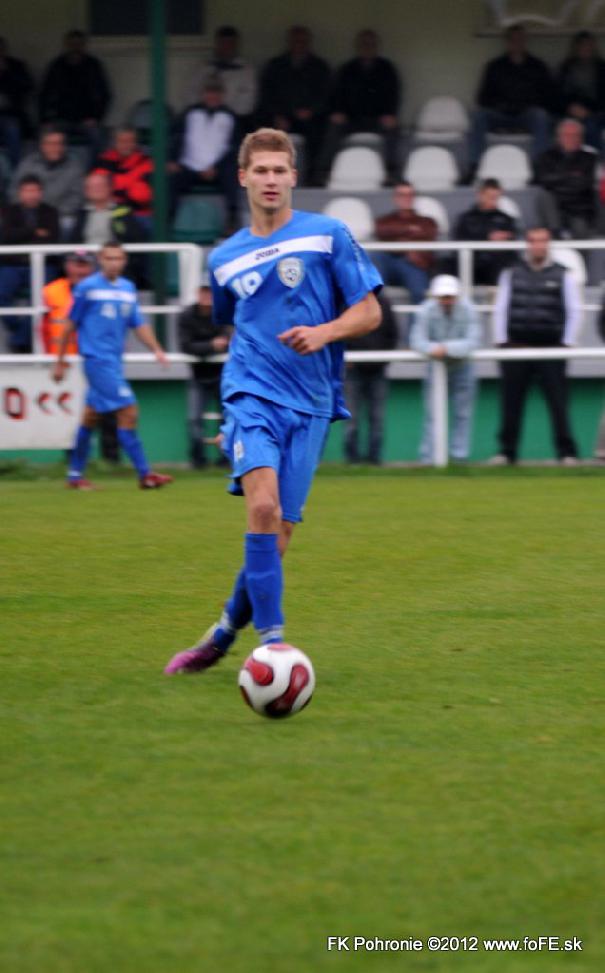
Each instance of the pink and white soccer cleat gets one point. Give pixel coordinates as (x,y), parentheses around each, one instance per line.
(197,658)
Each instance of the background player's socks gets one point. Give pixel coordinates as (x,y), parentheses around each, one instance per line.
(133,447)
(79,454)
(264,583)
(237,614)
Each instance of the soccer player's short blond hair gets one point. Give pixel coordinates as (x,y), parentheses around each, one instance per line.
(265,140)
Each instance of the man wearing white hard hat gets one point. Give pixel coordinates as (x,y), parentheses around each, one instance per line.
(446,328)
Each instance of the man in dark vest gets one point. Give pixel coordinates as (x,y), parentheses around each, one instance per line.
(538,305)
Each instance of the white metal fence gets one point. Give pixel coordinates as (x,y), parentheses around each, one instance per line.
(189,258)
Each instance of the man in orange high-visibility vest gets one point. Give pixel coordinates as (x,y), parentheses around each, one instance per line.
(57,299)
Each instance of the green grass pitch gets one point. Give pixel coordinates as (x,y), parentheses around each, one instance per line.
(446,780)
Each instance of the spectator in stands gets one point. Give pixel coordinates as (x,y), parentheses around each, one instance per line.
(446,328)
(57,300)
(366,385)
(366,98)
(130,169)
(567,204)
(102,219)
(538,305)
(409,269)
(199,336)
(486,221)
(294,89)
(206,150)
(57,297)
(15,86)
(27,221)
(516,93)
(60,174)
(237,76)
(75,92)
(581,86)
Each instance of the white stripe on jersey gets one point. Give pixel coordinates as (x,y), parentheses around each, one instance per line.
(110,295)
(306,244)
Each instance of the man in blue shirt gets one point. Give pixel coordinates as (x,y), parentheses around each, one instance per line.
(295,285)
(104,308)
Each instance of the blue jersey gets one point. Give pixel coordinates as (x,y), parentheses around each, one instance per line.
(102,312)
(306,273)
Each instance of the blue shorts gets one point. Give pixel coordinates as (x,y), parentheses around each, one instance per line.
(258,433)
(108,389)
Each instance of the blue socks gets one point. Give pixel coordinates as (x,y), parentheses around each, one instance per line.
(264,582)
(129,441)
(256,595)
(133,447)
(79,454)
(237,614)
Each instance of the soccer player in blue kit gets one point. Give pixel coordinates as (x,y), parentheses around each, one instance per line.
(296,285)
(104,308)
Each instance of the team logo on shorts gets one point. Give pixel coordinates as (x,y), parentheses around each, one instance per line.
(238,449)
(291,271)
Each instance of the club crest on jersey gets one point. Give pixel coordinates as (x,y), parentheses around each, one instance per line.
(291,271)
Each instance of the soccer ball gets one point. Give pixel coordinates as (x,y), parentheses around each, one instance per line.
(277,680)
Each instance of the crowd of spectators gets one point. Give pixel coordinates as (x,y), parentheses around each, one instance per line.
(69,179)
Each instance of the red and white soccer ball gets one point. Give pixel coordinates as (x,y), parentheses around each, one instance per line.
(277,680)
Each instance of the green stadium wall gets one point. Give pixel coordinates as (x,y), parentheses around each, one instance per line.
(163,424)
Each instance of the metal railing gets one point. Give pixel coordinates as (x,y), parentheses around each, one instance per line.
(189,258)
(465,251)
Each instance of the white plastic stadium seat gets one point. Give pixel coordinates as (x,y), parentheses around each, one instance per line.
(431,168)
(511,208)
(357,169)
(506,163)
(355,213)
(372,140)
(571,259)
(427,206)
(441,119)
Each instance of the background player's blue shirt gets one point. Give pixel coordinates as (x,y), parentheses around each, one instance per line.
(306,273)
(102,311)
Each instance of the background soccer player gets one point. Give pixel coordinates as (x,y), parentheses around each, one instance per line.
(296,285)
(105,306)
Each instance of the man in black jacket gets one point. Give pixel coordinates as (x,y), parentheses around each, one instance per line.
(294,90)
(15,85)
(75,91)
(485,221)
(516,93)
(28,221)
(567,204)
(538,305)
(366,98)
(366,383)
(199,336)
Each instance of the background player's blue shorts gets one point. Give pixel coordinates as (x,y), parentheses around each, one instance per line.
(108,389)
(260,433)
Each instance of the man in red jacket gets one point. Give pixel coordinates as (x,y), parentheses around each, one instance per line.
(130,169)
(410,269)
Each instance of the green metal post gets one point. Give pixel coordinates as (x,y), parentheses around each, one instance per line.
(157,64)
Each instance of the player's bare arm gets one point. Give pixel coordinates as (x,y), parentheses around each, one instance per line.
(61,365)
(146,336)
(357,320)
